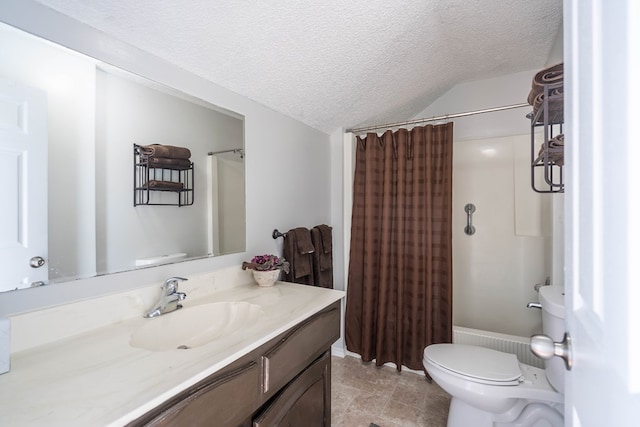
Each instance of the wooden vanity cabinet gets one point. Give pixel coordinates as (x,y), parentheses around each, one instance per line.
(285,381)
(306,401)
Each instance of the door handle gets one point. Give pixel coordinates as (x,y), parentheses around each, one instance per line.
(545,348)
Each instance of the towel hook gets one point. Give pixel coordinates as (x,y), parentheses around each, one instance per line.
(469,208)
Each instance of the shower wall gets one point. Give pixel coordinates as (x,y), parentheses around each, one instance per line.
(496,269)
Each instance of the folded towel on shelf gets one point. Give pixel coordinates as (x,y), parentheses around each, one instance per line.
(323,256)
(553,75)
(166,151)
(556,108)
(550,75)
(557,141)
(160,162)
(163,185)
(555,150)
(556,99)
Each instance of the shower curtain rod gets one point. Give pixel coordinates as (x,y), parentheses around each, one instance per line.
(233,150)
(436,118)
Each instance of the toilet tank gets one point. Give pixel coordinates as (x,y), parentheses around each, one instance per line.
(553,325)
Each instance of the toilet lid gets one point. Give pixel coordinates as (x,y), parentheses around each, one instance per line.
(479,363)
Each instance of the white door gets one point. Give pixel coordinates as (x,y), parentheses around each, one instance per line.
(602,83)
(23,186)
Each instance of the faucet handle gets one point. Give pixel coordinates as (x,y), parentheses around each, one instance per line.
(170,286)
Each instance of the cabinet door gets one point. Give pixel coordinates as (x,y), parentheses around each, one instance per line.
(299,348)
(223,400)
(305,402)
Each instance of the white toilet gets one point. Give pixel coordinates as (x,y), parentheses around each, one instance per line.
(491,388)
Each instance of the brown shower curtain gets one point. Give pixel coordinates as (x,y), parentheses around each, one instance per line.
(399,290)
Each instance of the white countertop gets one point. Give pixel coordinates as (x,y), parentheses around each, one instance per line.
(96,378)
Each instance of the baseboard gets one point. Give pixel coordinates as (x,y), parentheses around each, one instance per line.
(338,351)
(389,364)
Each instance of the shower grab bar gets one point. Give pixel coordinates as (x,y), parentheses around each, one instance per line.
(469,230)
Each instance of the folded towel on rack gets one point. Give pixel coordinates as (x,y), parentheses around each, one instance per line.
(556,98)
(557,141)
(554,77)
(550,75)
(164,185)
(167,151)
(323,256)
(160,162)
(555,109)
(297,249)
(535,97)
(555,150)
(555,103)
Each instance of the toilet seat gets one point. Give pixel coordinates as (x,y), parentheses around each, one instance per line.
(479,364)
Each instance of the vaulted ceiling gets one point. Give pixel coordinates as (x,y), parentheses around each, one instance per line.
(334,63)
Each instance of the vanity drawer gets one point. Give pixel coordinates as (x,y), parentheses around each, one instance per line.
(298,348)
(224,399)
(305,401)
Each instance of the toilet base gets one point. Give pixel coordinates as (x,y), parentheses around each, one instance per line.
(523,414)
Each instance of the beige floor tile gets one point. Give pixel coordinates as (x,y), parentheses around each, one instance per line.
(371,403)
(355,419)
(341,398)
(363,393)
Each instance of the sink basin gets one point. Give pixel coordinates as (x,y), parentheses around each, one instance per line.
(194,326)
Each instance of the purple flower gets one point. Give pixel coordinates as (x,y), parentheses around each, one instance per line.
(266,262)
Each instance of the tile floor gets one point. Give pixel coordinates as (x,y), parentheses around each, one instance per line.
(363,393)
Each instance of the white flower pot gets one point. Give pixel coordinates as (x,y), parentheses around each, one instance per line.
(265,278)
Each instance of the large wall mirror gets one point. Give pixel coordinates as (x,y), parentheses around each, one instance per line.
(68,124)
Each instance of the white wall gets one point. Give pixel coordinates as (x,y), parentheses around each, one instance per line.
(556,55)
(496,269)
(288,164)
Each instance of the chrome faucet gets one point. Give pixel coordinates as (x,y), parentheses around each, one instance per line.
(169,298)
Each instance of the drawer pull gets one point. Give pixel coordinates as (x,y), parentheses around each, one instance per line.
(265,374)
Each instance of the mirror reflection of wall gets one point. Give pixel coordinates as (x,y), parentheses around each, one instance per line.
(95,114)
(225,201)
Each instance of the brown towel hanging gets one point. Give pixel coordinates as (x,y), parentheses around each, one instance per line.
(323,256)
(298,249)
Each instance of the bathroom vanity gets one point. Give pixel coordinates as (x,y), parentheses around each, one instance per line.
(273,369)
(285,379)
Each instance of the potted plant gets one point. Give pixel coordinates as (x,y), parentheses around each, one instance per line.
(266,268)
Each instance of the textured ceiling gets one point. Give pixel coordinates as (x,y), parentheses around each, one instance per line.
(334,63)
